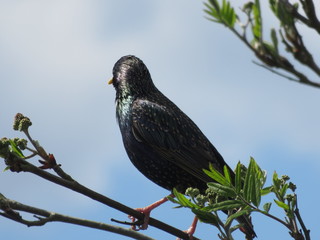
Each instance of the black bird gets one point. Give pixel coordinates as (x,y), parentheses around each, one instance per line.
(161,141)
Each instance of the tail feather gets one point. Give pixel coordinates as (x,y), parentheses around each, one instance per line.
(247,227)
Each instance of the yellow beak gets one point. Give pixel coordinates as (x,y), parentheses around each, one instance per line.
(110,81)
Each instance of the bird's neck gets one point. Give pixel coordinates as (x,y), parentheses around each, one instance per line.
(123,108)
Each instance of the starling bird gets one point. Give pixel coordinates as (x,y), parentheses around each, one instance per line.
(162,142)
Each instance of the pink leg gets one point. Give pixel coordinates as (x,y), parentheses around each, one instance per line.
(192,228)
(146,211)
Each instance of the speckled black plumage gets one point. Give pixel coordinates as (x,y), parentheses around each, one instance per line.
(161,141)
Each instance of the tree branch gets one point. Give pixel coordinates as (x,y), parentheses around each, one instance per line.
(266,52)
(20,164)
(8,206)
(302,78)
(303,226)
(309,9)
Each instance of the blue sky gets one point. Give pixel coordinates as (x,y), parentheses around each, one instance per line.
(56,58)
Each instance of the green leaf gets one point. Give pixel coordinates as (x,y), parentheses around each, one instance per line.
(274,40)
(235,227)
(227,174)
(252,183)
(206,217)
(247,185)
(247,8)
(213,9)
(283,190)
(296,6)
(260,180)
(270,48)
(172,199)
(276,181)
(6,169)
(217,176)
(182,200)
(285,17)
(226,205)
(222,190)
(15,149)
(266,190)
(238,183)
(228,14)
(215,4)
(257,25)
(273,6)
(282,205)
(224,14)
(293,203)
(262,176)
(236,215)
(267,206)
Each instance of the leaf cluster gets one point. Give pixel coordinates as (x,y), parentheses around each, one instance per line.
(240,195)
(287,34)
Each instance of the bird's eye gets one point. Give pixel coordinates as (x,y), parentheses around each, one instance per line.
(116,79)
(115,82)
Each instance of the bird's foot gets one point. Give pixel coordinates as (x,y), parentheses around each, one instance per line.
(146,211)
(145,223)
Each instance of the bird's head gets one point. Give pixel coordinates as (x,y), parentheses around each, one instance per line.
(131,77)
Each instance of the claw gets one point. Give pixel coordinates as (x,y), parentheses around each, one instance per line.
(146,211)
(145,224)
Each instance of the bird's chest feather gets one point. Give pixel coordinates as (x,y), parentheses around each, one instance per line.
(143,155)
(123,113)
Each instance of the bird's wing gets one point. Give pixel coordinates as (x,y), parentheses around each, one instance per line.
(174,137)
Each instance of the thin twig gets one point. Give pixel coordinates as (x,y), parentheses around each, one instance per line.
(39,150)
(298,50)
(126,222)
(32,150)
(303,226)
(254,208)
(31,156)
(46,157)
(309,9)
(276,72)
(303,79)
(58,170)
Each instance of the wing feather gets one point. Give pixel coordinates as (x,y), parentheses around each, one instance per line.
(174,139)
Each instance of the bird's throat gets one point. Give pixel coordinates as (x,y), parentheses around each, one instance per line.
(123,108)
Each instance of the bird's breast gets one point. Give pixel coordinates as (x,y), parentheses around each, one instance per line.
(123,112)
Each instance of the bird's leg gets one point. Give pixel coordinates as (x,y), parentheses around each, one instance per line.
(192,228)
(146,211)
